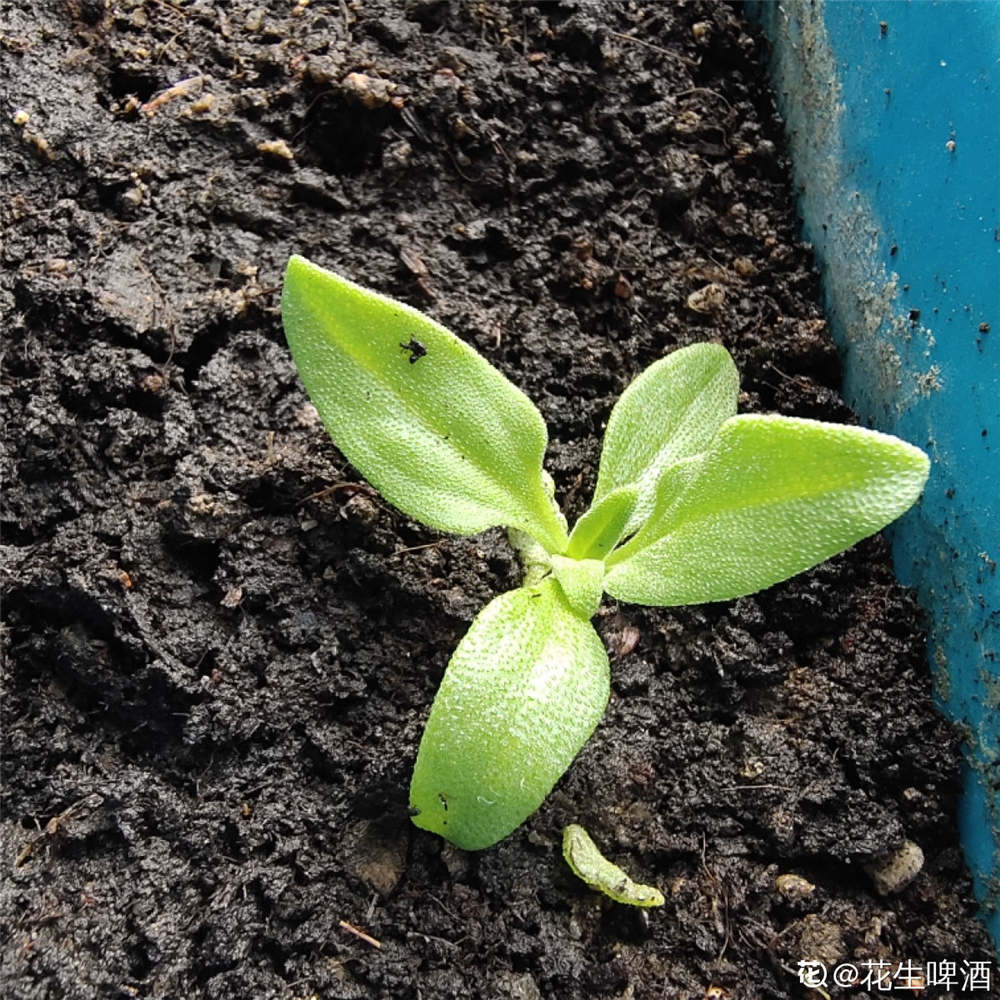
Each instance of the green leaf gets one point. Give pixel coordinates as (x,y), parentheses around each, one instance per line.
(523,692)
(602,527)
(435,428)
(582,582)
(771,496)
(672,410)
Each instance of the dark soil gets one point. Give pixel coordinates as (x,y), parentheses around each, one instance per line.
(221,645)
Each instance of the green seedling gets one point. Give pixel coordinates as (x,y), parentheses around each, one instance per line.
(587,862)
(693,503)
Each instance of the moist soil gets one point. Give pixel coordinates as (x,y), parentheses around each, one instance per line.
(222,645)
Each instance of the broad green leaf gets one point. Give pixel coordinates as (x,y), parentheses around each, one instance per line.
(771,496)
(672,410)
(581,581)
(602,527)
(435,428)
(523,691)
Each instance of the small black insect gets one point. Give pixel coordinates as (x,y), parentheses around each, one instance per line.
(416,349)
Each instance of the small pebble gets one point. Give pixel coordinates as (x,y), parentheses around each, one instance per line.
(708,299)
(277,148)
(794,887)
(371,91)
(132,197)
(203,103)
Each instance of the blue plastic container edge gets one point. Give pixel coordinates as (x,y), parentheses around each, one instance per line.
(891,112)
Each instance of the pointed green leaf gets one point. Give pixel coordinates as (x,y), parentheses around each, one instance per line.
(435,428)
(523,692)
(672,410)
(582,582)
(771,496)
(602,527)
